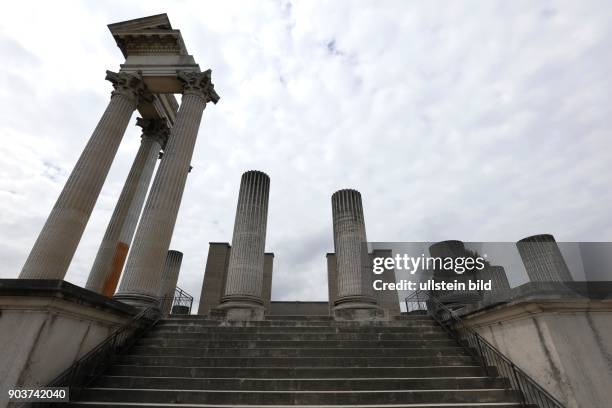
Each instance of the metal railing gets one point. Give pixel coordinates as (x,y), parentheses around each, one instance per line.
(531,393)
(80,374)
(180,303)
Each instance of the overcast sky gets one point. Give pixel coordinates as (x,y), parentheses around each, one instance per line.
(485,120)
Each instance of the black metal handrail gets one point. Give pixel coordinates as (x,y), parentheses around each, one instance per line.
(85,370)
(531,393)
(180,303)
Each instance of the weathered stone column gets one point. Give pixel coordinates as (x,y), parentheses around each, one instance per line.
(500,288)
(141,279)
(107,267)
(170,274)
(60,236)
(543,259)
(243,288)
(355,295)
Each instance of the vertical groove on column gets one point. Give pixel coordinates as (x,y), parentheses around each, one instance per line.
(117,237)
(246,264)
(55,246)
(145,262)
(349,236)
(169,278)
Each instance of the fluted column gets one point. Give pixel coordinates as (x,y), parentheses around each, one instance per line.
(354,282)
(141,280)
(543,259)
(243,288)
(107,267)
(60,236)
(170,274)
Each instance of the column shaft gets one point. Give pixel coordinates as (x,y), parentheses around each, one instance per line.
(245,271)
(141,281)
(170,274)
(354,282)
(60,236)
(107,267)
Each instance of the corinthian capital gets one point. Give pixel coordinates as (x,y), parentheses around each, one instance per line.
(157,129)
(126,84)
(200,84)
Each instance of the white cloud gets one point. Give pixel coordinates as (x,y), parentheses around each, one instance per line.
(469,120)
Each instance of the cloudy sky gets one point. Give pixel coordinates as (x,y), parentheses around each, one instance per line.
(485,120)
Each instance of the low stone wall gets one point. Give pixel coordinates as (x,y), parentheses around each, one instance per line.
(565,345)
(46,325)
(299,308)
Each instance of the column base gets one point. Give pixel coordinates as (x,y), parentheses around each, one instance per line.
(139,300)
(358,308)
(239,308)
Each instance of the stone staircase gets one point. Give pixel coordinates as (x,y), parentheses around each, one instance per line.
(297,361)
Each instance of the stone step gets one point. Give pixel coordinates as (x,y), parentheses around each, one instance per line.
(172,341)
(299,372)
(182,361)
(291,330)
(97,404)
(288,329)
(296,352)
(298,397)
(318,384)
(300,317)
(296,323)
(296,336)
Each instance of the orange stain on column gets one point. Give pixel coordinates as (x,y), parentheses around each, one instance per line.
(118,261)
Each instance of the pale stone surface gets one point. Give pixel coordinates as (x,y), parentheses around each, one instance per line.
(354,282)
(543,260)
(60,236)
(170,274)
(110,259)
(243,287)
(41,336)
(332,279)
(141,281)
(565,346)
(215,273)
(266,294)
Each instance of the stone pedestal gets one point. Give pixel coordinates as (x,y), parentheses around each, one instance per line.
(109,262)
(60,236)
(355,299)
(332,280)
(215,274)
(266,291)
(141,281)
(243,288)
(388,300)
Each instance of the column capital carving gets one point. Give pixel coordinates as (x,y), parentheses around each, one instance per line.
(156,129)
(128,85)
(200,84)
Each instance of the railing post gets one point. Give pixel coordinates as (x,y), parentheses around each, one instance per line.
(482,356)
(518,384)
